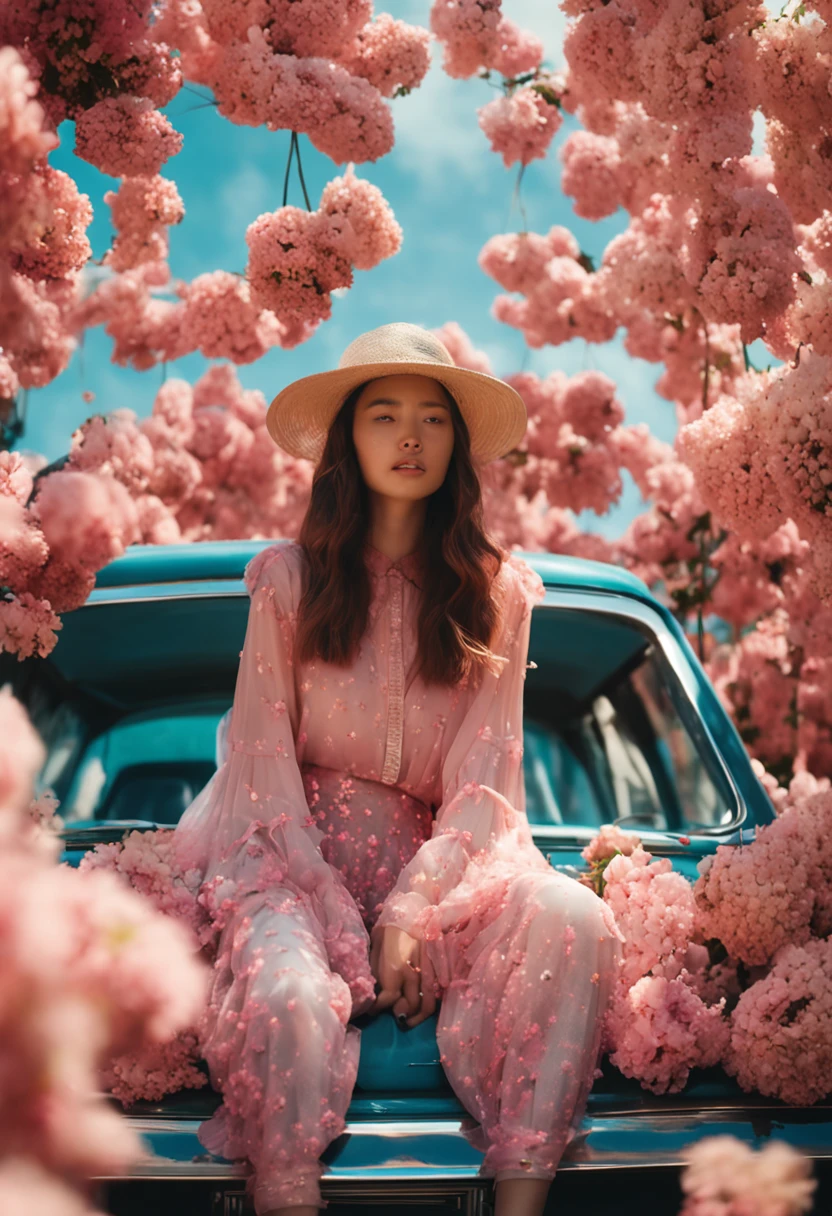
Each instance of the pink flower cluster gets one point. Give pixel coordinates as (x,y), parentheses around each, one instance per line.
(778,890)
(762,457)
(109,52)
(87,967)
(298,258)
(146,861)
(521,125)
(660,1023)
(23,136)
(57,246)
(202,465)
(475,34)
(125,137)
(560,297)
(659,1029)
(143,208)
(391,55)
(51,548)
(34,332)
(781,1028)
(724,1176)
(653,907)
(220,320)
(571,447)
(318,67)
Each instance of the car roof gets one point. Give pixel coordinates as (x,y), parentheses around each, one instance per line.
(226,559)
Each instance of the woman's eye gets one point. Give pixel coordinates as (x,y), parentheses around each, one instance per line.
(431,417)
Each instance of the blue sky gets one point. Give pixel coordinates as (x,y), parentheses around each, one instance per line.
(449,192)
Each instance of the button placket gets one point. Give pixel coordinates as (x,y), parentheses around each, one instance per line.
(395,682)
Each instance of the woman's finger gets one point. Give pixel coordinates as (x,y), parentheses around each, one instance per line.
(409,1004)
(375,951)
(429,998)
(391,979)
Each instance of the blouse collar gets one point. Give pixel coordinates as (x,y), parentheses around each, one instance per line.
(379,563)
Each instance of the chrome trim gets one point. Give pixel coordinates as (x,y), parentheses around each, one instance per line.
(472,1198)
(432,1151)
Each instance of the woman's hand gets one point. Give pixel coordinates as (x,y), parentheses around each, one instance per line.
(404,973)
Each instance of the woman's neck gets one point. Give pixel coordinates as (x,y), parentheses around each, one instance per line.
(396,527)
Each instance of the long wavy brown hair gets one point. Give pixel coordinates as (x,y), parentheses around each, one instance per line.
(458,613)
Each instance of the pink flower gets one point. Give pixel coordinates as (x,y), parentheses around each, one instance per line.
(360,224)
(608,841)
(287,270)
(157,1070)
(724,1176)
(23,139)
(15,479)
(125,137)
(27,1187)
(33,331)
(113,445)
(756,898)
(392,55)
(222,323)
(143,209)
(85,517)
(659,1029)
(468,31)
(108,52)
(22,753)
(461,348)
(9,383)
(781,1028)
(520,126)
(653,906)
(344,116)
(28,626)
(562,300)
(724,452)
(516,50)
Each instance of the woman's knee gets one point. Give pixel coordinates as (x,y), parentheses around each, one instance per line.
(574,910)
(299,993)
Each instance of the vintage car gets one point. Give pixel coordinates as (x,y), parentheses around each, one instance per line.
(621,726)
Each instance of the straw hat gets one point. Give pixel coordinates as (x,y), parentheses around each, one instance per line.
(301,414)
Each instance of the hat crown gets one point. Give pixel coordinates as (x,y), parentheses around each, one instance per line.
(398,342)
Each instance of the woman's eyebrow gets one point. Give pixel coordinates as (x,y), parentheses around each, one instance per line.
(440,405)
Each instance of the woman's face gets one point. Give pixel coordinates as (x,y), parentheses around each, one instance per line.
(403,418)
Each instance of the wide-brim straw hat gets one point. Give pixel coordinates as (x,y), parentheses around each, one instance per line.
(301,414)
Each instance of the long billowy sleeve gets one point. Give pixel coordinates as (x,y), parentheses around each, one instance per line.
(482,816)
(250,828)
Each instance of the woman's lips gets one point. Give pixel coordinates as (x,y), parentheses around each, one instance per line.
(412,472)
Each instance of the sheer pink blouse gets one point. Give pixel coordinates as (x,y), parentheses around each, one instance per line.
(381,799)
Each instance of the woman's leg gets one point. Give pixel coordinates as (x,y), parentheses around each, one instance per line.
(520,1196)
(520,1026)
(279,1047)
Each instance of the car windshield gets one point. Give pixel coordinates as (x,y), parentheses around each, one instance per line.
(611,735)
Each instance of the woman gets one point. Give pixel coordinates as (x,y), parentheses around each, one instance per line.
(374,782)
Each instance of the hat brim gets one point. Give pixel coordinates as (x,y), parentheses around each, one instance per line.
(301,414)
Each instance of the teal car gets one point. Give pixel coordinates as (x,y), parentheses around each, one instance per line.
(621,726)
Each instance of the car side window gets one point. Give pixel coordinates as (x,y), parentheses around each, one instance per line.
(607,738)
